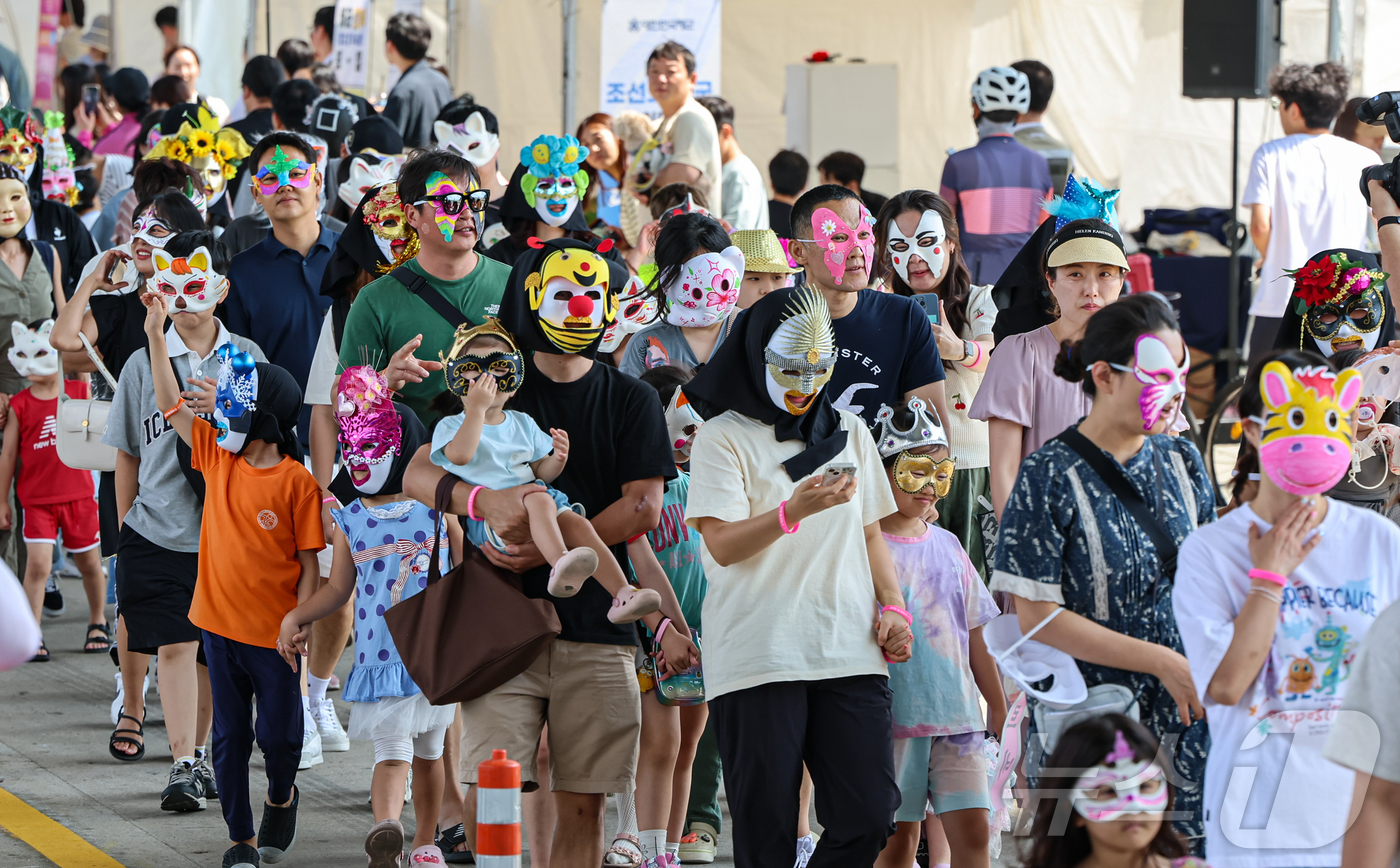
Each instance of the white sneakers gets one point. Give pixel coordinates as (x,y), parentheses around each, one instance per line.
(333,737)
(310,739)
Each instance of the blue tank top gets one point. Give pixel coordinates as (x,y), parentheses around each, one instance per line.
(392,546)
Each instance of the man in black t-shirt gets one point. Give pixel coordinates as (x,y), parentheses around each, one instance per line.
(584,685)
(886,350)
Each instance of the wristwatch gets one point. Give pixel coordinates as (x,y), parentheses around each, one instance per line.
(1386,221)
(969,350)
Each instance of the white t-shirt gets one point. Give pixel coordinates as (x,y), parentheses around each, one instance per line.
(321,379)
(968,435)
(1271,799)
(802,609)
(1366,736)
(1310,185)
(745,199)
(689,137)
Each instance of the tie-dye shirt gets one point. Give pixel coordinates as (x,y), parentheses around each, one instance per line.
(934,692)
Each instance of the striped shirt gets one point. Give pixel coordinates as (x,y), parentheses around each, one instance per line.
(997,188)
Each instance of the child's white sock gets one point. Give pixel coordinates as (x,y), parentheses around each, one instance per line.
(199,751)
(653,842)
(189,761)
(316,687)
(674,848)
(626,813)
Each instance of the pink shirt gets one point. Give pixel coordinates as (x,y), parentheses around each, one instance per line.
(1021,386)
(119,137)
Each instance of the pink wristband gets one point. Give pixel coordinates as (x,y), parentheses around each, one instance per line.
(328,499)
(1266,576)
(660,630)
(782,519)
(898,611)
(471,503)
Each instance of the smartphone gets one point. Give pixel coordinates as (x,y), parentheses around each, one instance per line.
(833,471)
(117,271)
(929,302)
(91,94)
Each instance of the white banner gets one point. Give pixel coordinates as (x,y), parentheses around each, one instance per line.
(632,28)
(351,54)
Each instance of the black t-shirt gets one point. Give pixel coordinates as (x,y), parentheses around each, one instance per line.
(780,218)
(885,350)
(617,434)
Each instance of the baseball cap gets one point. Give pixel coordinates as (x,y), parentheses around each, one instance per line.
(1086,241)
(376,134)
(128,86)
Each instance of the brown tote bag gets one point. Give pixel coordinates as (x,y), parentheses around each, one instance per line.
(472,630)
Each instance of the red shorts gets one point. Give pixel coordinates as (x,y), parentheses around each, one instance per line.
(76,518)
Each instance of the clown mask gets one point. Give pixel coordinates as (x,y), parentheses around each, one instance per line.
(370,432)
(837,239)
(682,423)
(367,171)
(235,397)
(570,296)
(553,183)
(706,289)
(470,138)
(1162,378)
(929,243)
(31,354)
(384,216)
(1305,438)
(636,310)
(463,366)
(1121,785)
(801,354)
(189,283)
(449,200)
(15,209)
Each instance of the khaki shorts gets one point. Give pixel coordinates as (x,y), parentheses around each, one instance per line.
(588,695)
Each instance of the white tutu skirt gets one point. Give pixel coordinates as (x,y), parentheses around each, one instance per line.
(406,716)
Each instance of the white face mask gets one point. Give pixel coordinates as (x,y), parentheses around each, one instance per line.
(929,242)
(378,474)
(32,355)
(636,309)
(469,138)
(682,422)
(556,198)
(1162,378)
(706,289)
(189,283)
(151,229)
(365,175)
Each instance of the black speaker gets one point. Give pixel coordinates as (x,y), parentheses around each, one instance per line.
(1229,47)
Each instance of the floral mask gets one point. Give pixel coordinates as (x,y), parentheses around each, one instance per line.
(470,138)
(235,397)
(837,239)
(553,183)
(370,432)
(1162,378)
(189,283)
(19,139)
(1343,303)
(31,354)
(706,289)
(1120,785)
(929,243)
(635,311)
(1305,436)
(365,175)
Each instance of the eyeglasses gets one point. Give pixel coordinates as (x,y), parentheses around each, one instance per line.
(452,203)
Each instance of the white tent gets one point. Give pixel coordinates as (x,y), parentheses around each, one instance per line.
(1117,65)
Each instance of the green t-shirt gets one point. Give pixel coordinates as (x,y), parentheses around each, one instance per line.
(677,547)
(385,316)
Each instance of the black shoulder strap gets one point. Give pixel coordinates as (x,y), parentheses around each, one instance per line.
(419,286)
(45,254)
(1112,476)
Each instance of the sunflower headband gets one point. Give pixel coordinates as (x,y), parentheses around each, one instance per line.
(203,139)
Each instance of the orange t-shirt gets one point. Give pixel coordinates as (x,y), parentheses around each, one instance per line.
(255,522)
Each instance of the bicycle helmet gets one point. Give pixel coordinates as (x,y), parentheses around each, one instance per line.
(1002,88)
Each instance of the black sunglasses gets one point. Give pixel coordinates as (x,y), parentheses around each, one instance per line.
(452,202)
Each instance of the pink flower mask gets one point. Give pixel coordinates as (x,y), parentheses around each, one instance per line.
(370,431)
(1121,785)
(1163,379)
(836,239)
(706,289)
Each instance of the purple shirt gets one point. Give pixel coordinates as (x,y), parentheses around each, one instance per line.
(997,188)
(119,137)
(1021,386)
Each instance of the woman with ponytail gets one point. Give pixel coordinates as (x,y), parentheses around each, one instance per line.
(1272,602)
(1088,539)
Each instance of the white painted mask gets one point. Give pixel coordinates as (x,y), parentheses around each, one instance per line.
(189,283)
(366,174)
(929,242)
(32,355)
(470,138)
(706,289)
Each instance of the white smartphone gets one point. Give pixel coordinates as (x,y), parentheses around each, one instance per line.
(833,471)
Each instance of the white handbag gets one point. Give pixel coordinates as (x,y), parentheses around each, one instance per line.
(82,422)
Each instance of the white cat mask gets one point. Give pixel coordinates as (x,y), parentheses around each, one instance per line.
(32,355)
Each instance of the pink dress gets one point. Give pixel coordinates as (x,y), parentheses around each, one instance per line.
(1021,386)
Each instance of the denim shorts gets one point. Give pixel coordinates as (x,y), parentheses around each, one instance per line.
(479,532)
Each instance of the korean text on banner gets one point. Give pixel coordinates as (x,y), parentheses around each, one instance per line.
(352,21)
(632,28)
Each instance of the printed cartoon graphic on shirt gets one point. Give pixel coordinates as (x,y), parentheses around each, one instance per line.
(656,355)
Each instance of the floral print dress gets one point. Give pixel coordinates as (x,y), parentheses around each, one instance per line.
(1067,539)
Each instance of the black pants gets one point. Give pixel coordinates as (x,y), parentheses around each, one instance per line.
(1261,339)
(842,728)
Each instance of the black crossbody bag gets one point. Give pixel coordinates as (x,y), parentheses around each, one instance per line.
(1112,476)
(416,284)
